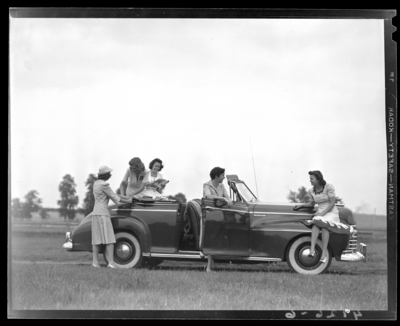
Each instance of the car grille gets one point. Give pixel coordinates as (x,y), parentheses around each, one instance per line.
(352,246)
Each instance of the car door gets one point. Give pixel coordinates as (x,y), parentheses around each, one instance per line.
(225,230)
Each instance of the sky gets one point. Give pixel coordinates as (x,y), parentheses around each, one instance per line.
(266,99)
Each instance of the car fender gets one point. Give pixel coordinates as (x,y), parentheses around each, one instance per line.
(135,226)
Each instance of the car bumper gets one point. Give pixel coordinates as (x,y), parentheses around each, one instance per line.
(356,255)
(68,245)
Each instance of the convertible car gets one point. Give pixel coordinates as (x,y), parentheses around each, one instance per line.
(149,231)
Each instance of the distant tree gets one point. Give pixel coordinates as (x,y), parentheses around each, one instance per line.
(43,213)
(17,208)
(88,201)
(32,203)
(301,196)
(178,197)
(68,200)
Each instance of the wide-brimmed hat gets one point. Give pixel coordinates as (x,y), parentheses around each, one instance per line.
(104,169)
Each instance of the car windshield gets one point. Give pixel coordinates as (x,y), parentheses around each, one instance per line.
(245,192)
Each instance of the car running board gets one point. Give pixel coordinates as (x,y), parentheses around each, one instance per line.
(198,255)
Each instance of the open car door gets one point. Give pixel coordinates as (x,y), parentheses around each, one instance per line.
(225,229)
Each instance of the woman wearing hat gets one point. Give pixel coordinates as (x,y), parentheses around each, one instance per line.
(102,229)
(327,217)
(132,183)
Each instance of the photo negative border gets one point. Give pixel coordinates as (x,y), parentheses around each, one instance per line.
(390,49)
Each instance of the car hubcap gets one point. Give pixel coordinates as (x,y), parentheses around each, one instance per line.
(123,250)
(305,260)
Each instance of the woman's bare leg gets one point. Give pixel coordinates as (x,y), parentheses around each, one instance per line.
(325,240)
(110,253)
(95,254)
(314,237)
(209,262)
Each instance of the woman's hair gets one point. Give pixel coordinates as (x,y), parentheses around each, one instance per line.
(104,176)
(156,160)
(138,162)
(318,175)
(216,172)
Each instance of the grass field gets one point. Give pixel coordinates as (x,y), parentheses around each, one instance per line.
(45,276)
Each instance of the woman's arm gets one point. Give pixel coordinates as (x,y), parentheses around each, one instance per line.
(113,196)
(226,195)
(122,187)
(127,200)
(308,204)
(124,183)
(124,197)
(139,190)
(332,202)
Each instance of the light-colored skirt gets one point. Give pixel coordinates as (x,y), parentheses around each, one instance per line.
(331,222)
(102,230)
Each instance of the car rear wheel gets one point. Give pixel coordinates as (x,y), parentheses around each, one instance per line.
(298,260)
(127,251)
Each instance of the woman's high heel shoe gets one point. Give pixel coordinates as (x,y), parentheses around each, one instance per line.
(311,254)
(323,261)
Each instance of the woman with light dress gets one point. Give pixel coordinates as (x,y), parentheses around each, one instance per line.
(102,229)
(155,183)
(216,190)
(327,216)
(132,183)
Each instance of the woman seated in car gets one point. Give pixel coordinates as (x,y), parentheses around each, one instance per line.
(153,180)
(215,189)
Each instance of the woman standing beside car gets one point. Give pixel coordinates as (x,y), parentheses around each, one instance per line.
(327,216)
(102,229)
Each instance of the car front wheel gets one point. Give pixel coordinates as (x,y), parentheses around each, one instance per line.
(299,261)
(127,251)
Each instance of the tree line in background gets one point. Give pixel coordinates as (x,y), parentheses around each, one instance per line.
(68,203)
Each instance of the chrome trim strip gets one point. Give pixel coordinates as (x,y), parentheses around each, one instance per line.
(260,259)
(201,233)
(175,256)
(145,210)
(282,230)
(245,211)
(146,254)
(280,213)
